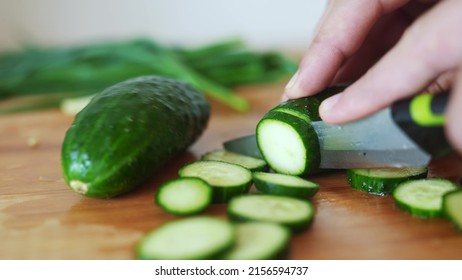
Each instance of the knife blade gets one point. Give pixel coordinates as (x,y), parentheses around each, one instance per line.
(372,142)
(394,137)
(246,145)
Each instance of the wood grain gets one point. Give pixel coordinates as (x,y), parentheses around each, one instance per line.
(40,218)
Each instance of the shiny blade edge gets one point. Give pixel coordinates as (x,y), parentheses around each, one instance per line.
(372,142)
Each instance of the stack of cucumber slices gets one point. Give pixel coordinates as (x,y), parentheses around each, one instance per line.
(259,224)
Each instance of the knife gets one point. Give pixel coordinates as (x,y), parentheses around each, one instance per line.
(409,133)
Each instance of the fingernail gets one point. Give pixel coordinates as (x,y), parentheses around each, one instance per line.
(292,89)
(328,104)
(293,81)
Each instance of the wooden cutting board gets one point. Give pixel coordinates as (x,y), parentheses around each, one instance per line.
(40,218)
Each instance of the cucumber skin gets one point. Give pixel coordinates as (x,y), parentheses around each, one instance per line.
(129,131)
(295,192)
(378,186)
(418,212)
(307,110)
(306,133)
(220,195)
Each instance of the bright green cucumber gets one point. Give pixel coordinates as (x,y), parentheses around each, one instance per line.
(452,207)
(285,185)
(260,241)
(383,181)
(227,179)
(128,132)
(193,238)
(286,139)
(423,197)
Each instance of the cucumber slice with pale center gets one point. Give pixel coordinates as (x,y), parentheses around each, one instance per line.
(294,213)
(423,197)
(184,196)
(288,144)
(285,137)
(383,181)
(194,238)
(227,179)
(252,163)
(260,241)
(285,185)
(452,207)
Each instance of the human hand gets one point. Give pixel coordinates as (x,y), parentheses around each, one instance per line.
(392,49)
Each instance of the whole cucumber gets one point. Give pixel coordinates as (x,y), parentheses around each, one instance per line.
(128,132)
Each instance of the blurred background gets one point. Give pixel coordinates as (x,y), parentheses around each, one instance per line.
(262,24)
(53,50)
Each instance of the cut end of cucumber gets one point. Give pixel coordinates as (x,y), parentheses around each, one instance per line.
(79,186)
(285,154)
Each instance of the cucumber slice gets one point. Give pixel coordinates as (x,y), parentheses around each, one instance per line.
(423,197)
(296,214)
(193,238)
(260,241)
(286,185)
(288,144)
(286,138)
(184,196)
(452,207)
(252,163)
(227,179)
(383,181)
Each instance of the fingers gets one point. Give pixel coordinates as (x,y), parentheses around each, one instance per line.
(430,47)
(341,32)
(454,114)
(382,37)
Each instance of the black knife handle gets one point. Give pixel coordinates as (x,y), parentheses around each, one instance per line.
(422,118)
